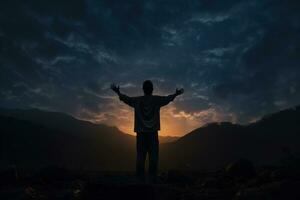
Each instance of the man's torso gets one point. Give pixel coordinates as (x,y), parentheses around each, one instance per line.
(147,117)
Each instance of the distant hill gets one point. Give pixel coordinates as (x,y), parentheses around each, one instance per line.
(41,138)
(212,146)
(57,120)
(64,122)
(36,138)
(167,139)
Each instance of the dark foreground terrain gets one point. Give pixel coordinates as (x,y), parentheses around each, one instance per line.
(239,180)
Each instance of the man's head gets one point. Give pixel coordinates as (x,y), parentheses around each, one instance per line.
(148,87)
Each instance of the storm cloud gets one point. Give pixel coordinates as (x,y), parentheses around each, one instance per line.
(237,60)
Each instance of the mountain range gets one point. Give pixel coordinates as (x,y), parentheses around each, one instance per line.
(36,138)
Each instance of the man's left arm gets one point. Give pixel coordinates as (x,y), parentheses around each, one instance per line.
(167,99)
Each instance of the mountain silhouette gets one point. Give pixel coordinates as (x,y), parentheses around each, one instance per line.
(214,145)
(36,138)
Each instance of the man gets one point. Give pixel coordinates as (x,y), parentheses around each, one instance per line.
(146,125)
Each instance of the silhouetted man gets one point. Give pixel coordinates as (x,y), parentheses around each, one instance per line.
(146,125)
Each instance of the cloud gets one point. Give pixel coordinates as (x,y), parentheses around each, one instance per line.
(128,85)
(237,60)
(209,19)
(219,52)
(171,37)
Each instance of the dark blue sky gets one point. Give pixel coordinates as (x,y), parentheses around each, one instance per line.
(237,60)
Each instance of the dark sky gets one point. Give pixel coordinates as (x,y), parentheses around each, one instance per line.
(237,60)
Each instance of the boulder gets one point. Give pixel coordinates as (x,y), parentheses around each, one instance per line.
(240,169)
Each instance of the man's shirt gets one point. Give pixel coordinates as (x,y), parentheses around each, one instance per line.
(146,110)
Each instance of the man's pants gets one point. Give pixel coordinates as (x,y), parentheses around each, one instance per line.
(147,143)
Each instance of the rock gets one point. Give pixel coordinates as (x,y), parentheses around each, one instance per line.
(240,169)
(175,176)
(277,175)
(51,174)
(210,183)
(249,194)
(9,176)
(277,190)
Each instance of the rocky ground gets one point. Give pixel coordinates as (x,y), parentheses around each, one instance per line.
(237,181)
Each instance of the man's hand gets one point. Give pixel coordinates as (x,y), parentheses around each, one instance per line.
(115,88)
(179,91)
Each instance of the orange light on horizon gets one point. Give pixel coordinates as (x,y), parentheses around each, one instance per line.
(163,132)
(168,128)
(174,122)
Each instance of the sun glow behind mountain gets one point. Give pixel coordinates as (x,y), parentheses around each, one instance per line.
(174,122)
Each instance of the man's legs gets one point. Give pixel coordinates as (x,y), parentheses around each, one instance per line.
(141,151)
(153,156)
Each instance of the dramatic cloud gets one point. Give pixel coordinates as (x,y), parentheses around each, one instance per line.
(237,60)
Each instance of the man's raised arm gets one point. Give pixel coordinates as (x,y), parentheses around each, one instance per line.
(126,99)
(167,99)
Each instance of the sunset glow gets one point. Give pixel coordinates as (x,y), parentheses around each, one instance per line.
(174,122)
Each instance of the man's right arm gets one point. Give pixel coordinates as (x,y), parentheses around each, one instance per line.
(126,99)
